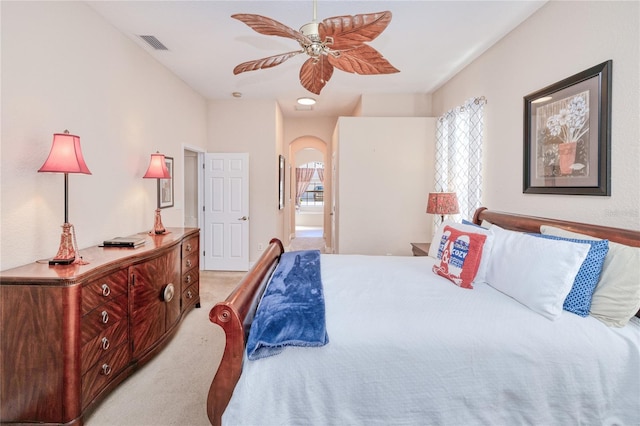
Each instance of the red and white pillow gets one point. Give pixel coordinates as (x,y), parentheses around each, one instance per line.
(435,250)
(460,253)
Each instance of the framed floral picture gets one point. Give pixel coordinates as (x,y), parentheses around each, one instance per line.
(567,133)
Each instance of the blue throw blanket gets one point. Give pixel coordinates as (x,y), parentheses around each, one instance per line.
(291,312)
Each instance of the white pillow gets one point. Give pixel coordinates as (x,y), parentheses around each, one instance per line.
(486,249)
(616,298)
(537,272)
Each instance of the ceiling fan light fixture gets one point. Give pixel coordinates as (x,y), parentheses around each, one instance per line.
(338,42)
(306,101)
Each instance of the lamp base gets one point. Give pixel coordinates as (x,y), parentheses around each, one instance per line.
(158,227)
(66,253)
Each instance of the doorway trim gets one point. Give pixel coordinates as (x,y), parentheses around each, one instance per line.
(199,191)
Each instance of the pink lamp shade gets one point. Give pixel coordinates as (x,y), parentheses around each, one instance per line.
(65,155)
(157,168)
(442,203)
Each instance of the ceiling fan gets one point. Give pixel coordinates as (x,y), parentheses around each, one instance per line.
(335,42)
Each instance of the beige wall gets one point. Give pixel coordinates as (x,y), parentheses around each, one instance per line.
(64,67)
(395,105)
(385,171)
(561,39)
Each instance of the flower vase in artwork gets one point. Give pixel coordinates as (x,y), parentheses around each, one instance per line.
(567,156)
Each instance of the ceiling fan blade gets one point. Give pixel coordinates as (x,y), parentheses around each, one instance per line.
(315,73)
(268,26)
(362,59)
(351,30)
(268,62)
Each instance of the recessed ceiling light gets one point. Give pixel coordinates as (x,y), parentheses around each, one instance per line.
(306,101)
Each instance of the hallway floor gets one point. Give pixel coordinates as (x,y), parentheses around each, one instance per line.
(308,238)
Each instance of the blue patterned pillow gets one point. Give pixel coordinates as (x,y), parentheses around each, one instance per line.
(578,300)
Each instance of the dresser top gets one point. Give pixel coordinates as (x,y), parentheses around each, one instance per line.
(101,260)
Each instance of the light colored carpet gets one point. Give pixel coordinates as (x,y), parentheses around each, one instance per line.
(172,388)
(305,243)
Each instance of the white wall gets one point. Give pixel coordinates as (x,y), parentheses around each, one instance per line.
(561,39)
(64,67)
(385,168)
(240,125)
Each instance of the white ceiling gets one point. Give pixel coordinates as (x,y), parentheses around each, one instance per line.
(428,41)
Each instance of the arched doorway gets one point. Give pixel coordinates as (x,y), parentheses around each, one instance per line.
(309,188)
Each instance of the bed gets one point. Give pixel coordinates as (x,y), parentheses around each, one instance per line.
(408,346)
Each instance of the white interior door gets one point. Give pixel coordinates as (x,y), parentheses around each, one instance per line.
(226,212)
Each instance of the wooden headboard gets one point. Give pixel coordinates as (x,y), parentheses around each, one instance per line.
(235,314)
(523,223)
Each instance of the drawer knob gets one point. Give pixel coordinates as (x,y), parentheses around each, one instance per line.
(189,295)
(168,292)
(188,263)
(187,279)
(105,317)
(105,370)
(105,290)
(188,248)
(105,343)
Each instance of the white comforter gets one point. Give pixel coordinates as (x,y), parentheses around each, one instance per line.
(407,347)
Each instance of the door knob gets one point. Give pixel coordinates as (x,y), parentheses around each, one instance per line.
(243,218)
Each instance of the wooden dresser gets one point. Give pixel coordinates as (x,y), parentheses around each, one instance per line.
(69,334)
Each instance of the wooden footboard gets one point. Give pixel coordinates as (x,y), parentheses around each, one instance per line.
(234,315)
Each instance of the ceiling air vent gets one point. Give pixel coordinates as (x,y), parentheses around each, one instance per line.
(154,42)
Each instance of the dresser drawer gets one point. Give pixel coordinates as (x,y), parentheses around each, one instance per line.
(102,290)
(190,296)
(190,277)
(103,317)
(100,374)
(104,343)
(189,262)
(190,246)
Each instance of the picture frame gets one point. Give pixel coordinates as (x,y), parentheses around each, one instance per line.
(567,135)
(281,173)
(165,187)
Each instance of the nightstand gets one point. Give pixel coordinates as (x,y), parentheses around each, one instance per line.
(420,249)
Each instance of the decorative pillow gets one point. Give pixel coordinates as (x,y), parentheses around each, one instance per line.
(536,272)
(437,245)
(460,256)
(616,298)
(578,300)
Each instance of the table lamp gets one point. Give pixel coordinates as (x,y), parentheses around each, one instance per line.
(158,170)
(66,157)
(442,203)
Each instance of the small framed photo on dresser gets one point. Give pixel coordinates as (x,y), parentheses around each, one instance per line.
(165,186)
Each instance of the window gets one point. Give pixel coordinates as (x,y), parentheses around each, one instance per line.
(459,155)
(313,193)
